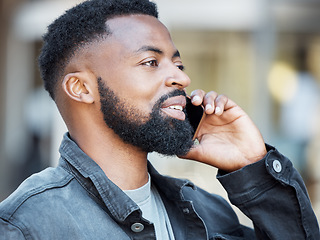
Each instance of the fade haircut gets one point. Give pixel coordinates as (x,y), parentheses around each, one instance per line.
(79,26)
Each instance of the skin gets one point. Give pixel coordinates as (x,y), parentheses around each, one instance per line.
(140,63)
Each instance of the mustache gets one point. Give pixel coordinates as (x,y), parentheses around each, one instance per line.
(162,99)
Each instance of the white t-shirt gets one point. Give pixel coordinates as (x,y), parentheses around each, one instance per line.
(153,209)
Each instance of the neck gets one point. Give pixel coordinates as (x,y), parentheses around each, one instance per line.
(124,164)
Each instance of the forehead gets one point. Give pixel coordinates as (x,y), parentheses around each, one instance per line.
(128,35)
(135,31)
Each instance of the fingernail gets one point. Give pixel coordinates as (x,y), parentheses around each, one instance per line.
(218,110)
(196,99)
(208,106)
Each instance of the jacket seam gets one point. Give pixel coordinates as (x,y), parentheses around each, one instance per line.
(303,223)
(19,225)
(36,191)
(253,194)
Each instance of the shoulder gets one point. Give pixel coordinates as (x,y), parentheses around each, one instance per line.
(32,188)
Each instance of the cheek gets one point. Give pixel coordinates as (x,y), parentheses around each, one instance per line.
(137,88)
(144,94)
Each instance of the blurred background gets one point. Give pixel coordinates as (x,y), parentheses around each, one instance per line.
(265,55)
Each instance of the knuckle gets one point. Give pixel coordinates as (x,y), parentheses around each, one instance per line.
(212,95)
(198,92)
(223,98)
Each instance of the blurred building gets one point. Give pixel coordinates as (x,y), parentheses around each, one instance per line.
(257,52)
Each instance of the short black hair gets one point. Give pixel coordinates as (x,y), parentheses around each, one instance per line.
(81,25)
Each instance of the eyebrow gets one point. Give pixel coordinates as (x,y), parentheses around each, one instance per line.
(156,50)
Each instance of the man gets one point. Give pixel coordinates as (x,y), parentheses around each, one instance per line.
(116,77)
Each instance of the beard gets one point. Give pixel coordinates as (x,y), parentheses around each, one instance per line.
(151,133)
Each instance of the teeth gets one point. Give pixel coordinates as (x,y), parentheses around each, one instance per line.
(176,107)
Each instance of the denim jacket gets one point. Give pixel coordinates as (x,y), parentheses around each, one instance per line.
(76,200)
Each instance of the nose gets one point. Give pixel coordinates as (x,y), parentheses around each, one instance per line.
(177,78)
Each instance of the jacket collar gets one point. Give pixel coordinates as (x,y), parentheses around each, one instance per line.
(114,200)
(169,186)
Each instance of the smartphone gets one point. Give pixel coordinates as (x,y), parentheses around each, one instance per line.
(195,114)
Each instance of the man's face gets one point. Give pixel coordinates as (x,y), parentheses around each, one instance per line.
(162,134)
(141,85)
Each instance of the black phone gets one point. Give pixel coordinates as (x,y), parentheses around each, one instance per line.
(195,114)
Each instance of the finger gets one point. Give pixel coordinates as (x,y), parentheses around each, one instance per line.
(197,97)
(220,104)
(209,102)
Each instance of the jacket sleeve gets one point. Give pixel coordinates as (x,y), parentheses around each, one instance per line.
(8,231)
(273,195)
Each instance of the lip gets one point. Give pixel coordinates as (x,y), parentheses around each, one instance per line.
(174,101)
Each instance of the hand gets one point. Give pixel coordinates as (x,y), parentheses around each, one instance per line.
(228,139)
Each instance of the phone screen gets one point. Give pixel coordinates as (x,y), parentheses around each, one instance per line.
(195,115)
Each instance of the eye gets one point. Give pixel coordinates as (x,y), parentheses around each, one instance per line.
(181,67)
(151,63)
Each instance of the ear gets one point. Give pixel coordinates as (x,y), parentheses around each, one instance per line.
(77,87)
